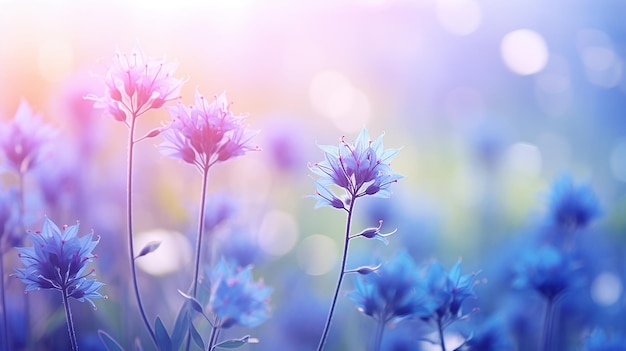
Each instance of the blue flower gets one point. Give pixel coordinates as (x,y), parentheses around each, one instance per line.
(572,205)
(447,291)
(493,335)
(360,169)
(547,270)
(390,293)
(58,260)
(235,299)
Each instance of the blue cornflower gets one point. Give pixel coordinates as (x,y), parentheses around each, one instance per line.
(572,205)
(390,293)
(58,260)
(235,299)
(547,270)
(493,335)
(447,291)
(362,168)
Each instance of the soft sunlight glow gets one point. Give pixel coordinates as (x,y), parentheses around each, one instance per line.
(317,254)
(55,59)
(452,342)
(524,159)
(333,96)
(602,66)
(278,233)
(524,51)
(606,289)
(460,17)
(173,254)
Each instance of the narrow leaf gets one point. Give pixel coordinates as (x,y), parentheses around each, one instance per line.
(196,336)
(195,304)
(181,326)
(163,339)
(236,343)
(151,246)
(109,343)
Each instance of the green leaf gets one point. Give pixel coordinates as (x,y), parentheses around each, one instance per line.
(236,343)
(108,342)
(163,339)
(196,336)
(150,247)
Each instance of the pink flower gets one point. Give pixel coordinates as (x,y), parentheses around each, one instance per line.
(23,138)
(135,84)
(206,133)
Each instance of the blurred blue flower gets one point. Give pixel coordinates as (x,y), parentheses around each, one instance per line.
(600,341)
(493,335)
(360,169)
(390,293)
(547,270)
(58,260)
(571,205)
(235,299)
(446,292)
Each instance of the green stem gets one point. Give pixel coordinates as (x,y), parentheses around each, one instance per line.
(344,259)
(129,211)
(70,323)
(205,177)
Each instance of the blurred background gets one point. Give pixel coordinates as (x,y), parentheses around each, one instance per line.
(490,100)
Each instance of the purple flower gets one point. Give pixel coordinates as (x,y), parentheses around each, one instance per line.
(235,299)
(206,133)
(572,205)
(135,84)
(362,168)
(23,139)
(58,260)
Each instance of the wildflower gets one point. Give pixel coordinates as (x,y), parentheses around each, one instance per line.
(58,260)
(547,270)
(447,291)
(493,335)
(390,293)
(374,233)
(570,205)
(23,138)
(360,169)
(235,299)
(206,133)
(135,84)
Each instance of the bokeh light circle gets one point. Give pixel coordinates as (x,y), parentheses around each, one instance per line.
(606,289)
(278,233)
(317,254)
(524,51)
(173,254)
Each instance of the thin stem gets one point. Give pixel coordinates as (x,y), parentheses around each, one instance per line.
(129,211)
(547,325)
(4,304)
(68,318)
(344,259)
(205,177)
(380,329)
(441,339)
(212,338)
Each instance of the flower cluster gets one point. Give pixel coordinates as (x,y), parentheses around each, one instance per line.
(58,260)
(23,138)
(235,298)
(206,133)
(362,168)
(135,84)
